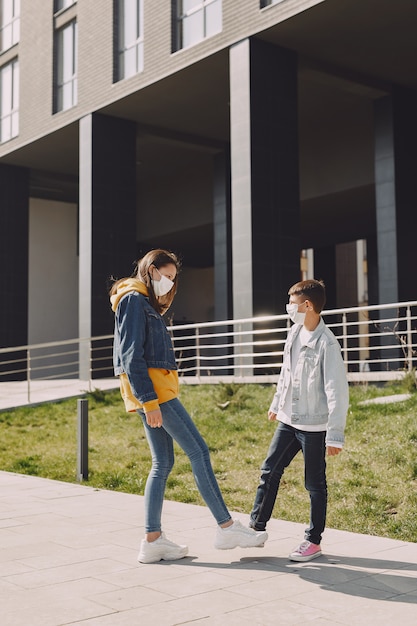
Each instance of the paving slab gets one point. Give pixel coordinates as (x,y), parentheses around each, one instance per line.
(68,557)
(398,397)
(29,393)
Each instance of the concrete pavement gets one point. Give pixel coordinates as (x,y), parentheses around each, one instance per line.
(68,556)
(25,393)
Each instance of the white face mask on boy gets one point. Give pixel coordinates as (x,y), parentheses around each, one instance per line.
(294,315)
(163,286)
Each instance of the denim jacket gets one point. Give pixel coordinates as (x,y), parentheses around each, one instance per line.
(141,341)
(320,392)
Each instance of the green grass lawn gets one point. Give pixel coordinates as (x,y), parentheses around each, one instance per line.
(372,484)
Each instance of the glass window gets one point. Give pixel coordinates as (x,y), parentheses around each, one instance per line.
(267,3)
(129,38)
(66,67)
(197,20)
(9,101)
(9,23)
(62,4)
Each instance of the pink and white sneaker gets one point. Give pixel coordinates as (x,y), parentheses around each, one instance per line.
(306,551)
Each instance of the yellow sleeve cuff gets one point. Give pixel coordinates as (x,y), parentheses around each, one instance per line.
(152,405)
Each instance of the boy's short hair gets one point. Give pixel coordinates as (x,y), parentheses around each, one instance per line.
(313,290)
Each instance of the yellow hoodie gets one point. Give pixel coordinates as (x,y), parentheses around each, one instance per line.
(165,382)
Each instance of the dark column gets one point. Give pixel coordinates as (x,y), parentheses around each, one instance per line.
(14,243)
(114,211)
(107,215)
(265,185)
(372,262)
(405,137)
(325,269)
(346,274)
(396,193)
(373,298)
(222,247)
(385,201)
(396,214)
(222,255)
(275,179)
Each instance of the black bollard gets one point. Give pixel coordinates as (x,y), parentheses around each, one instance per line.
(82,440)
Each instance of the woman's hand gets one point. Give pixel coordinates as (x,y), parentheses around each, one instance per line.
(154,418)
(272,416)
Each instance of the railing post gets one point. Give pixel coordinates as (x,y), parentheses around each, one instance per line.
(82,440)
(28,374)
(90,362)
(345,341)
(197,351)
(237,351)
(409,341)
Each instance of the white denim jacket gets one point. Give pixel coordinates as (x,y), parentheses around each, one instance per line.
(320,392)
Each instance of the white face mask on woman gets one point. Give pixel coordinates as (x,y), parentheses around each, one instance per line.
(294,315)
(163,286)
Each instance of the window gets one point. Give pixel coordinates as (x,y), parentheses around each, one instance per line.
(66,67)
(196,20)
(267,3)
(9,23)
(9,101)
(129,48)
(59,5)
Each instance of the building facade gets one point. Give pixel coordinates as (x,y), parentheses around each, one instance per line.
(260,140)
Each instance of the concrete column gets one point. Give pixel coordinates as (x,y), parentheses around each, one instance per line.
(264,177)
(241,194)
(107,218)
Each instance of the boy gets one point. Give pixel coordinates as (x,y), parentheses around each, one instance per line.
(311,404)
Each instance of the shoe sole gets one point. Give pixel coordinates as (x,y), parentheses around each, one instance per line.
(237,545)
(165,557)
(304,559)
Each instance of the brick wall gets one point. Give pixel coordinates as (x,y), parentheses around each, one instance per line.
(241,18)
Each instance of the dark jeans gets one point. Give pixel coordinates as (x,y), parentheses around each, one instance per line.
(285,444)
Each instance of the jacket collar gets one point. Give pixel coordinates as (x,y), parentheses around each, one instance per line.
(314,337)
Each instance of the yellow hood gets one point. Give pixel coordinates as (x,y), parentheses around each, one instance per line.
(126,286)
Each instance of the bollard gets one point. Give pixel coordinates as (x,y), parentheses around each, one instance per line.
(82,440)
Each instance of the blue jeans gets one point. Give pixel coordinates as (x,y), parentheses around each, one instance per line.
(286,443)
(178,426)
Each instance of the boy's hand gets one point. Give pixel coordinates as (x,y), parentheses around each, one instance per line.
(272,416)
(333,451)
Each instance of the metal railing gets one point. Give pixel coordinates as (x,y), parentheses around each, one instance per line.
(379,343)
(47,371)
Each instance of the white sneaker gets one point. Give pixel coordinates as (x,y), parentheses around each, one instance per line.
(161,550)
(238,536)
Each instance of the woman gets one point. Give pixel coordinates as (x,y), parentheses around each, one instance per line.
(144,360)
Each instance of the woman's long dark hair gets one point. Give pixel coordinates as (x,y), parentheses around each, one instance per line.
(158,258)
